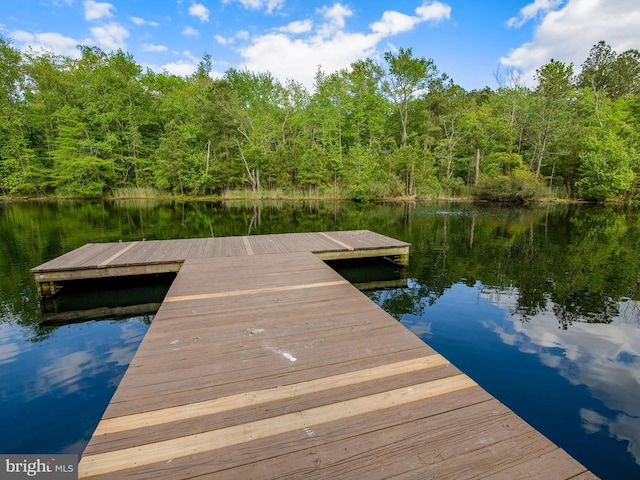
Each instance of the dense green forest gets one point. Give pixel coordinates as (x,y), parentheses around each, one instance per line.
(101,124)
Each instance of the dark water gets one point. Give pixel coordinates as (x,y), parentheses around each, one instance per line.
(538,305)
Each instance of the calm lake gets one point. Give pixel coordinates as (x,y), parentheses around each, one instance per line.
(538,305)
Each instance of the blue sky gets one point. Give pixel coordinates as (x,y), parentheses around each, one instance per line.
(469,40)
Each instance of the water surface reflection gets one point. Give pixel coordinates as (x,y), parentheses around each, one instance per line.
(55,391)
(606,359)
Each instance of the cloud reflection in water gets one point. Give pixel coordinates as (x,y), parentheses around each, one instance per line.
(603,357)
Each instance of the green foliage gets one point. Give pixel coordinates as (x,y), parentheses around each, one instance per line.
(97,124)
(519,186)
(606,168)
(363,175)
(609,73)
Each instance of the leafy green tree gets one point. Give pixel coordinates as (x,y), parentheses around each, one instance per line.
(453,106)
(366,106)
(78,171)
(606,167)
(174,165)
(15,156)
(610,74)
(261,122)
(327,126)
(116,106)
(406,77)
(608,147)
(96,123)
(362,175)
(487,136)
(220,110)
(555,92)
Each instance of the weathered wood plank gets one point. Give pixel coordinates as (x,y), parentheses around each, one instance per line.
(259,411)
(396,447)
(118,460)
(119,253)
(187,382)
(310,449)
(254,291)
(245,399)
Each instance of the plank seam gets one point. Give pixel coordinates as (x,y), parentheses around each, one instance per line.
(247,246)
(342,244)
(235,293)
(133,457)
(116,255)
(258,397)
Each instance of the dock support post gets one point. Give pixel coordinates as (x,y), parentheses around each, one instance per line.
(47,288)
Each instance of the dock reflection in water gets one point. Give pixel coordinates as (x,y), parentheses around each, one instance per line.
(106,299)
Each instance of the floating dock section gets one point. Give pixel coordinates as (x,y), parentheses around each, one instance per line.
(105,260)
(265,365)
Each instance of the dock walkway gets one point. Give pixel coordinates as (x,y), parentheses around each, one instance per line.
(273,366)
(117,259)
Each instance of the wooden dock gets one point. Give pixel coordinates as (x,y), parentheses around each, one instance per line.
(103,260)
(273,366)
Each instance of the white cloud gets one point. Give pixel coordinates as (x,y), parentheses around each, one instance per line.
(96,10)
(191,57)
(223,40)
(301,26)
(335,19)
(111,36)
(393,22)
(181,68)
(287,58)
(190,32)
(199,11)
(65,373)
(141,21)
(148,47)
(531,11)
(269,6)
(434,11)
(294,51)
(46,42)
(568,33)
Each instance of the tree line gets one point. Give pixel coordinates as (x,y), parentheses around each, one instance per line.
(101,124)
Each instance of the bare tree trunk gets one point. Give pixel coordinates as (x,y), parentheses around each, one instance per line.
(541,155)
(477,166)
(252,179)
(206,167)
(412,180)
(449,160)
